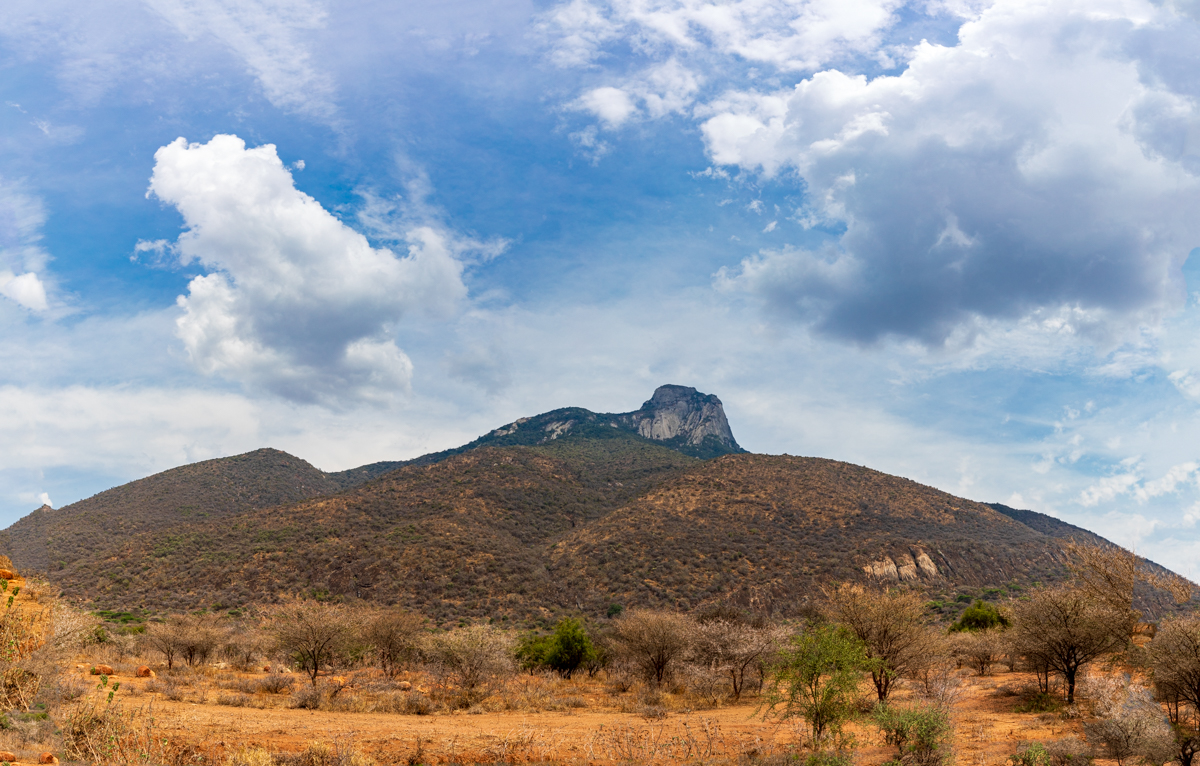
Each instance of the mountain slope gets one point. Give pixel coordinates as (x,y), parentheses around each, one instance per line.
(527,533)
(209,489)
(461,537)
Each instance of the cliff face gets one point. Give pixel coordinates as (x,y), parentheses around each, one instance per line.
(681,416)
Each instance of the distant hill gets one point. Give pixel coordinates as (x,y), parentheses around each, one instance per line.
(563,513)
(48,539)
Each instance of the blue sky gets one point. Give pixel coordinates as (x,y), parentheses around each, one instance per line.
(948,239)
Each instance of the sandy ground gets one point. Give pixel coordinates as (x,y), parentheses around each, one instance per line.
(987,731)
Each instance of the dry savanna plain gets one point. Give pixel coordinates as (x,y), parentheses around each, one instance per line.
(315,684)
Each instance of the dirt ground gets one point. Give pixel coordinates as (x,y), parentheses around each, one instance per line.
(987,730)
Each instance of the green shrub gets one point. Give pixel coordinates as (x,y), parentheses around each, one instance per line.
(921,733)
(980,616)
(1031,754)
(1042,702)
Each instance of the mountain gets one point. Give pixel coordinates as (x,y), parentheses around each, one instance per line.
(565,512)
(679,417)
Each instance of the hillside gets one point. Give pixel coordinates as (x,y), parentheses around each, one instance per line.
(465,536)
(769,531)
(526,533)
(48,538)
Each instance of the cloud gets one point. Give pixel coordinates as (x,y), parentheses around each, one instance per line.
(668,88)
(21,256)
(294,301)
(788,34)
(268,35)
(1036,166)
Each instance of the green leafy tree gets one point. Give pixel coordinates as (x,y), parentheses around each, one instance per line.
(816,678)
(533,651)
(570,648)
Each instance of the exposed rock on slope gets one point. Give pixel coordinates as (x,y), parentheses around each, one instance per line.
(684,418)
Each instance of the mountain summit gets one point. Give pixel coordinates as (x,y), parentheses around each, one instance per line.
(682,417)
(679,417)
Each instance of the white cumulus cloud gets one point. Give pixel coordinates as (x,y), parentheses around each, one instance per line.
(293,301)
(21,256)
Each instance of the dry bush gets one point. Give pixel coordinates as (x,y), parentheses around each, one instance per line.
(1128,722)
(1108,574)
(316,634)
(244,646)
(339,752)
(979,650)
(275,683)
(1175,660)
(891,625)
(731,654)
(654,642)
(395,638)
(470,659)
(187,638)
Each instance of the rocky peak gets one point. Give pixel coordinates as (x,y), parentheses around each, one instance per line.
(681,415)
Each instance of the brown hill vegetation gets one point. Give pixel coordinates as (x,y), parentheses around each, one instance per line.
(768,531)
(529,533)
(48,539)
(462,537)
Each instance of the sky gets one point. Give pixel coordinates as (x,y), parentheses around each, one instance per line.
(953,240)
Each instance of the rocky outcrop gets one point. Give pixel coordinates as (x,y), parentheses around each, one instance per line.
(907,567)
(683,417)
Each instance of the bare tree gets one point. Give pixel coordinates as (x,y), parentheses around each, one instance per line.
(313,633)
(890,625)
(395,636)
(1063,629)
(1109,574)
(734,650)
(980,649)
(1175,658)
(653,641)
(166,637)
(470,657)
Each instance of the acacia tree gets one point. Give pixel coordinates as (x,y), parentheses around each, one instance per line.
(1175,658)
(890,626)
(313,633)
(1109,574)
(1063,629)
(654,641)
(816,677)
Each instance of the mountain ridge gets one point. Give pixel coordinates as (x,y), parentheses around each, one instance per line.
(561,513)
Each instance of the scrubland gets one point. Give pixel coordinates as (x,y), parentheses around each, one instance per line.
(1063,676)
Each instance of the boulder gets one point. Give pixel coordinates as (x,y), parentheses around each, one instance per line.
(103,670)
(7,574)
(47,758)
(7,757)
(144,671)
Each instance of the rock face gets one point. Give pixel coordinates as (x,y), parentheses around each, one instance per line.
(903,568)
(681,416)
